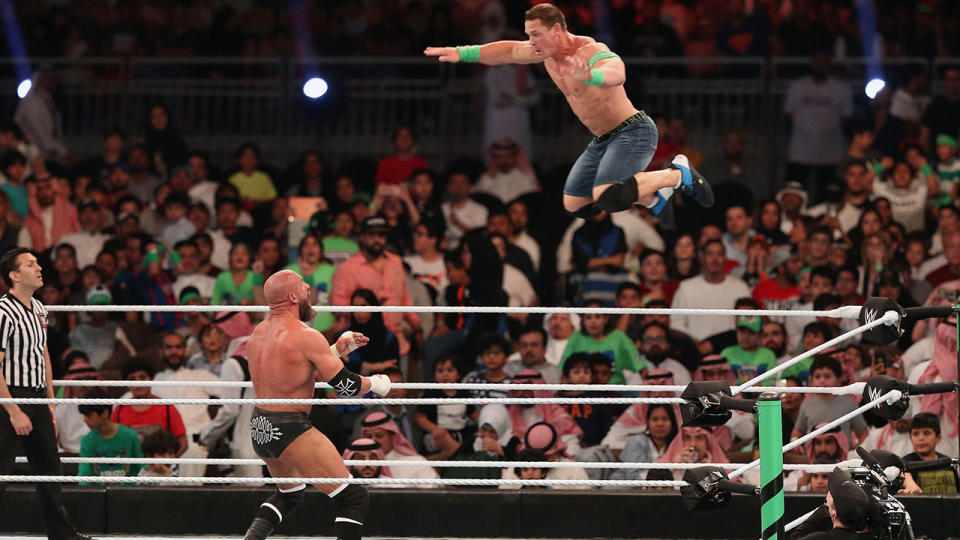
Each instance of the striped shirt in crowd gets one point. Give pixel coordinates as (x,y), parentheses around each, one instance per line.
(23,337)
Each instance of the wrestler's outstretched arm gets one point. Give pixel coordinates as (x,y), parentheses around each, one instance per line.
(491,54)
(331,369)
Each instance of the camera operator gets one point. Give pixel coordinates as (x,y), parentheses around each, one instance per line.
(843,517)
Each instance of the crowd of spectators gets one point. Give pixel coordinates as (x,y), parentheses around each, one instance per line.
(870,210)
(266,28)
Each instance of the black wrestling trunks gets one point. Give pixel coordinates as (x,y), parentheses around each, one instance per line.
(272,432)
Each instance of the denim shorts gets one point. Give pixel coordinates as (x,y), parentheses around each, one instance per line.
(613,160)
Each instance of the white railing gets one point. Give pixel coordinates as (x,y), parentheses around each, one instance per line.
(220,102)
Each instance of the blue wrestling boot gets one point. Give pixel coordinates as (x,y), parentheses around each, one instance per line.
(692,183)
(663,209)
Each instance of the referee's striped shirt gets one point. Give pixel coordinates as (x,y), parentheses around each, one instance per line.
(23,337)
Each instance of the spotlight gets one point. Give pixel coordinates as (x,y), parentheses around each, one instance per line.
(315,88)
(24,88)
(874,87)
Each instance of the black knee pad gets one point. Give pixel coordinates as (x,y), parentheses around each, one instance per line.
(280,505)
(353,502)
(585,212)
(288,501)
(272,511)
(619,197)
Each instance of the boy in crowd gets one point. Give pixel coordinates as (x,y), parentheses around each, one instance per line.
(531,473)
(160,444)
(822,279)
(147,418)
(948,166)
(106,439)
(444,426)
(602,368)
(821,408)
(747,358)
(597,335)
(576,370)
(494,350)
(594,420)
(815,334)
(924,435)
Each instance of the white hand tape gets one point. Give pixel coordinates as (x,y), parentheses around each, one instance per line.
(380,384)
(352,343)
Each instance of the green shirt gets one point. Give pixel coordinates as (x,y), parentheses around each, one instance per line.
(339,249)
(257,186)
(226,292)
(800,370)
(616,345)
(321,279)
(747,365)
(125,443)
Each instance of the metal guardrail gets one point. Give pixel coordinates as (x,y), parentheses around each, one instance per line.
(220,102)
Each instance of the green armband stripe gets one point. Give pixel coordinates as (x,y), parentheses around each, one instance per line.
(601,55)
(925,169)
(469,53)
(597,78)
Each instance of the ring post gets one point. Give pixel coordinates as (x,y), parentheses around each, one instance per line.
(771,467)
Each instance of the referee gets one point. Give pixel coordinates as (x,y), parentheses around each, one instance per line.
(25,373)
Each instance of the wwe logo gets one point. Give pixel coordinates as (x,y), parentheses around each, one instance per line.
(874,393)
(869,315)
(346,388)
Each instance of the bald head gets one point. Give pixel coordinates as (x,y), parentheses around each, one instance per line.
(278,287)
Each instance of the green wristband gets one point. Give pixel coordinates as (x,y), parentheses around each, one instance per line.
(469,53)
(925,169)
(878,168)
(597,78)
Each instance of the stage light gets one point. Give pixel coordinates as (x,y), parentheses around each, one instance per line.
(315,88)
(874,87)
(24,88)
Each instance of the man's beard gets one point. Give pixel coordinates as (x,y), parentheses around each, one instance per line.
(777,351)
(656,355)
(307,312)
(174,362)
(373,250)
(826,455)
(531,360)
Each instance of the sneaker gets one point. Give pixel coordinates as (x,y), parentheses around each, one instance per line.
(663,209)
(79,536)
(692,183)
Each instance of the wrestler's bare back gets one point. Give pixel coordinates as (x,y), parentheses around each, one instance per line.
(286,357)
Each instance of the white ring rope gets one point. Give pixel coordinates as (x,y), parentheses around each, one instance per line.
(341,401)
(845,312)
(889,317)
(436,463)
(849,312)
(890,397)
(854,388)
(336,481)
(796,523)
